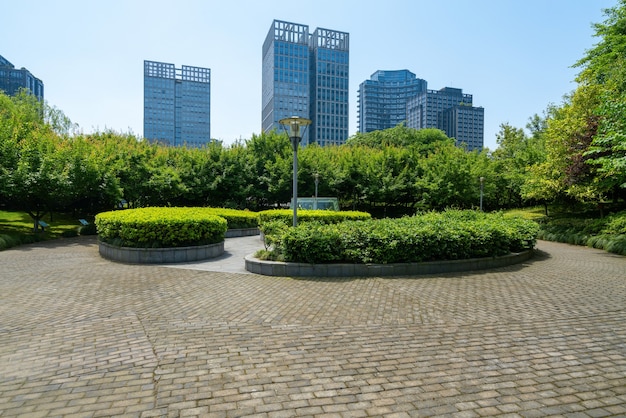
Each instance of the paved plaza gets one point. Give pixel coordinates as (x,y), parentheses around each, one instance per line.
(81,336)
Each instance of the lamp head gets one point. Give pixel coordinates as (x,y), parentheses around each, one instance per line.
(294,124)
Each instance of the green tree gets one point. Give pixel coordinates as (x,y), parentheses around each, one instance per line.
(448,179)
(271,157)
(515,156)
(34,169)
(603,71)
(564,173)
(233,179)
(41,181)
(400,136)
(93,185)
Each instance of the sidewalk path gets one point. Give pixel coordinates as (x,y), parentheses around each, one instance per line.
(81,336)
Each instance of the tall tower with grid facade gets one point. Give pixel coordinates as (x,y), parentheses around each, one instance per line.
(306,74)
(177,104)
(450,110)
(13,79)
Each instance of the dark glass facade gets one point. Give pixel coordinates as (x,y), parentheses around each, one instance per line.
(306,75)
(329,87)
(389,98)
(465,124)
(285,82)
(177,104)
(383,99)
(450,110)
(13,79)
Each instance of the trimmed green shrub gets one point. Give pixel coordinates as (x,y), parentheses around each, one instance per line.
(321,216)
(450,235)
(160,227)
(237,219)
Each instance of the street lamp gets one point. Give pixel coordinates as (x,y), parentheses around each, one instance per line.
(482,181)
(317,181)
(293,125)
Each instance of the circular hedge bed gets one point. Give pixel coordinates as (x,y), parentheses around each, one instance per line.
(449,235)
(160,227)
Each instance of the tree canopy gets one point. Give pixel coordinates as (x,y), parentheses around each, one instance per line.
(576,152)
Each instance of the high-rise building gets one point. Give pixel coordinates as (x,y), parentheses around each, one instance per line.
(450,110)
(389,98)
(177,104)
(383,98)
(465,124)
(13,79)
(306,74)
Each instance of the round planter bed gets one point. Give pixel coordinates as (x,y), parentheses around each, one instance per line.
(160,255)
(277,268)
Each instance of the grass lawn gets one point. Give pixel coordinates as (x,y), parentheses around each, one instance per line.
(17,228)
(533,213)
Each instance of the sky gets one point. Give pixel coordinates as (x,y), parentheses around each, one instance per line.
(514,56)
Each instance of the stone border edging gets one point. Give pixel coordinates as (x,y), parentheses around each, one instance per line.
(282,269)
(160,255)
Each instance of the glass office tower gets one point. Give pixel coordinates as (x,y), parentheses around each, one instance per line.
(285,80)
(329,86)
(383,99)
(465,124)
(177,104)
(306,75)
(450,110)
(13,79)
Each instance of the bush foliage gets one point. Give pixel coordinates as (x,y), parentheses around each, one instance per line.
(237,219)
(161,227)
(321,216)
(608,233)
(449,235)
(15,239)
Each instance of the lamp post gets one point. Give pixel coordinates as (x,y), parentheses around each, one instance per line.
(293,126)
(482,181)
(317,181)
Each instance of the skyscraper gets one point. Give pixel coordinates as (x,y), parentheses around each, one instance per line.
(450,110)
(306,75)
(177,104)
(383,99)
(13,79)
(392,97)
(465,124)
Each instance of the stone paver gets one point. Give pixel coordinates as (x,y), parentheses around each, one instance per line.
(81,336)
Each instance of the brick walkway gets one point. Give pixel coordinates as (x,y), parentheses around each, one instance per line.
(81,336)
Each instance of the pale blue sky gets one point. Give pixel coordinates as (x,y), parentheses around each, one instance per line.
(513,56)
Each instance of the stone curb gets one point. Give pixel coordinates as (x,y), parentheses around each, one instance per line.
(282,269)
(160,255)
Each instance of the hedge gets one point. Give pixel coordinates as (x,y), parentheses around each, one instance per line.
(237,219)
(320,216)
(449,235)
(160,227)
(608,233)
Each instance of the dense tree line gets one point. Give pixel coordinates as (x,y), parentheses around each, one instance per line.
(584,137)
(575,152)
(45,168)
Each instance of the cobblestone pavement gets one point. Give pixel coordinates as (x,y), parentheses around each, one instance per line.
(84,337)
